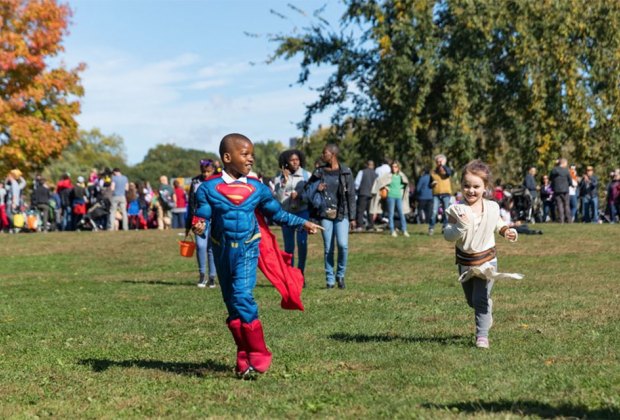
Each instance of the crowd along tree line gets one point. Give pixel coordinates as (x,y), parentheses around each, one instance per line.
(515,83)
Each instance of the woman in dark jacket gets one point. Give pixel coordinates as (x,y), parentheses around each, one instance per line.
(331,193)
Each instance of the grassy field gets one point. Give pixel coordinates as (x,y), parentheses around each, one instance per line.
(111,325)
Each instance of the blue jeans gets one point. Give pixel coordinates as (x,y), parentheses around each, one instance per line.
(613,212)
(444,200)
(398,203)
(548,211)
(288,233)
(590,209)
(204,251)
(337,230)
(572,201)
(67,222)
(178,220)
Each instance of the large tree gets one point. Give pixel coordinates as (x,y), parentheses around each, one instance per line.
(512,82)
(38,101)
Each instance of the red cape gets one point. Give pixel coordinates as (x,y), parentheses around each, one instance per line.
(276,266)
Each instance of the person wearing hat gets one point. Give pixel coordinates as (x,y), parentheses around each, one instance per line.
(204,248)
(14,184)
(588,189)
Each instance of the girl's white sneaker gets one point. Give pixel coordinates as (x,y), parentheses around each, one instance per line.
(482,342)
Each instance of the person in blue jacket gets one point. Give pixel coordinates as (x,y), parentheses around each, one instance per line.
(227,202)
(424,197)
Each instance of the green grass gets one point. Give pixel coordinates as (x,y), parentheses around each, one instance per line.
(111,325)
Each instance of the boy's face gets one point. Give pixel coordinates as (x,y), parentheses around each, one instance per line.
(239,160)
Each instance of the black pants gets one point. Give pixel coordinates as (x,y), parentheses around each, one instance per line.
(363,205)
(562,207)
(425,211)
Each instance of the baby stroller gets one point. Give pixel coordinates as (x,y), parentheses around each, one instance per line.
(95,218)
(523,208)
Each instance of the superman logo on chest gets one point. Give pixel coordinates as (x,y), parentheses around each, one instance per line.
(237,192)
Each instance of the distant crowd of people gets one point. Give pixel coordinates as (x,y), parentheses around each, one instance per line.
(378,198)
(105,200)
(564,196)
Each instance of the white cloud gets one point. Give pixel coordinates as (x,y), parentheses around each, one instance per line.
(187,102)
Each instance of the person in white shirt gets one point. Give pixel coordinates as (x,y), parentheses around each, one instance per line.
(471,225)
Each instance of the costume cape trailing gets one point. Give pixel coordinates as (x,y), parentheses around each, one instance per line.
(276,266)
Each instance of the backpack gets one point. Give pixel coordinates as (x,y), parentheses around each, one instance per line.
(167,202)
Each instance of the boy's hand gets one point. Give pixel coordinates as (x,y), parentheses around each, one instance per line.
(312,228)
(199,227)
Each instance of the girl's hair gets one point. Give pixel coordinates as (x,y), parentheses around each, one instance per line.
(478,168)
(286,155)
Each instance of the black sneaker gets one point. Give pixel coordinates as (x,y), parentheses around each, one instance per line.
(341,282)
(203,281)
(212,283)
(329,286)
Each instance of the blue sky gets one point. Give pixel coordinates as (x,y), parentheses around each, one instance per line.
(182,72)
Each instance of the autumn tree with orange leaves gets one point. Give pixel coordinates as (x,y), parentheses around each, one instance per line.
(38,102)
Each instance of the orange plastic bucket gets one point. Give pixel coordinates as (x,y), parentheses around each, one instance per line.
(187,248)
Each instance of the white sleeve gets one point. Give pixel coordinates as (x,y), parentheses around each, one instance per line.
(358,180)
(454,231)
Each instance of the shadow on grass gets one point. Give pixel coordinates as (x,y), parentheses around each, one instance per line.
(160,283)
(529,408)
(377,338)
(187,369)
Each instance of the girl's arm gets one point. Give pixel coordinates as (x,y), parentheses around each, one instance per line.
(457,224)
(506,231)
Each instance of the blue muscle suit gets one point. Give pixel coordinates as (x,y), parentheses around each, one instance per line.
(229,206)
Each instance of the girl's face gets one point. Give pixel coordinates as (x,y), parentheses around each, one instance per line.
(293,163)
(473,188)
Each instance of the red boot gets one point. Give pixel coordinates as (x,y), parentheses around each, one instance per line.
(259,355)
(243,363)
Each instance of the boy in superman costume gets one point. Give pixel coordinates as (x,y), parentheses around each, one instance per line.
(228,202)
